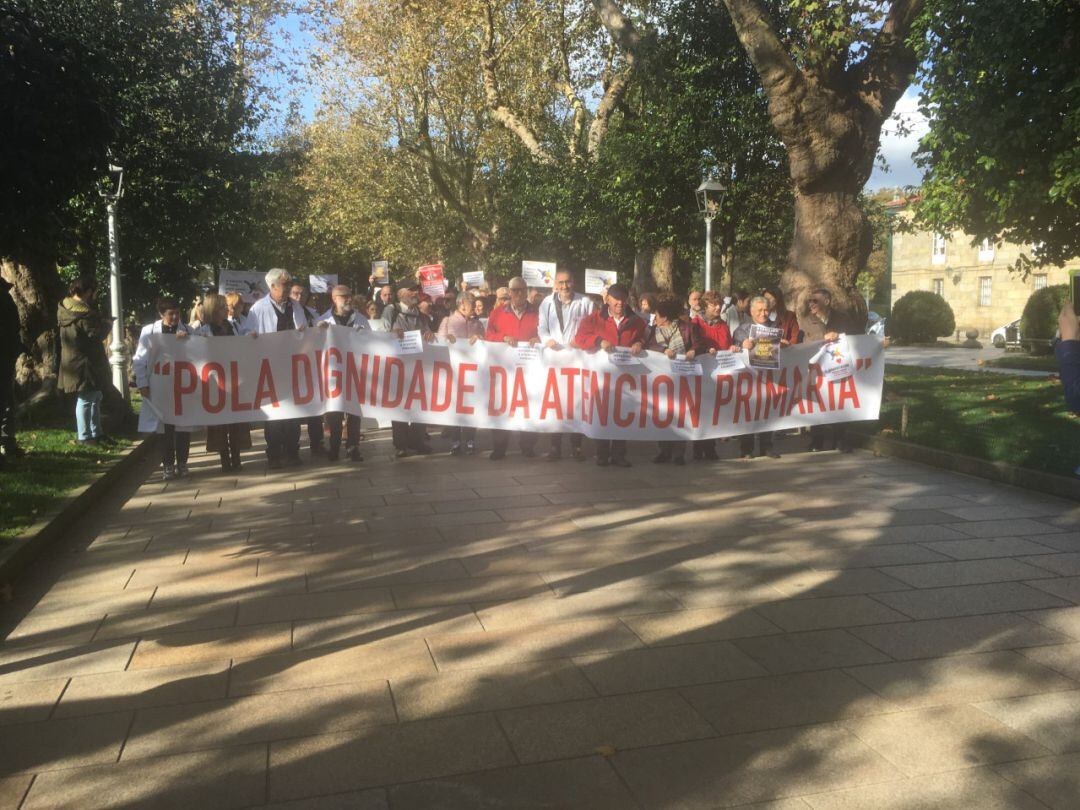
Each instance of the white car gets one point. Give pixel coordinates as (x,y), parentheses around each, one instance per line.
(1007,335)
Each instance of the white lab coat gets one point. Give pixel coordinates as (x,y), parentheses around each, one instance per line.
(262,318)
(573,314)
(140,364)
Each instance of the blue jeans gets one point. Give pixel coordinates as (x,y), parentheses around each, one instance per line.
(88,414)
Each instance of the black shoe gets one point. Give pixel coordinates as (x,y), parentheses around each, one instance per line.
(602,462)
(528,452)
(577,454)
(293,461)
(621,462)
(401,453)
(815,448)
(423,450)
(457,449)
(710,455)
(554,456)
(354,454)
(699,454)
(496,456)
(661,458)
(333,455)
(679,461)
(89,442)
(746,456)
(275,464)
(771,454)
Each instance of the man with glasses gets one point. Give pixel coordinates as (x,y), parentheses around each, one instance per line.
(560,316)
(824,324)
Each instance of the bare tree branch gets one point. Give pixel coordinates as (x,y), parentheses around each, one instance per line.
(499,111)
(630,42)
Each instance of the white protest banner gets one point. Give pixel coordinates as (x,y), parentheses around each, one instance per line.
(322,283)
(380,273)
(597,281)
(685,368)
(411,342)
(538,274)
(297,374)
(251,286)
(834,359)
(432,280)
(525,355)
(473,279)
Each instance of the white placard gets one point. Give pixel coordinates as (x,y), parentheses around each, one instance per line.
(834,359)
(526,355)
(538,274)
(597,281)
(411,342)
(322,283)
(728,362)
(685,368)
(473,280)
(620,356)
(250,285)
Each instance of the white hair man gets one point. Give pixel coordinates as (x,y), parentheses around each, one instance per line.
(276,313)
(560,316)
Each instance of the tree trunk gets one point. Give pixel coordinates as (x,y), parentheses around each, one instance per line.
(36,290)
(663,268)
(643,282)
(831,245)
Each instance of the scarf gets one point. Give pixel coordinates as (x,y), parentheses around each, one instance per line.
(671,337)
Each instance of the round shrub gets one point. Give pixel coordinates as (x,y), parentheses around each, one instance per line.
(1039,323)
(921,317)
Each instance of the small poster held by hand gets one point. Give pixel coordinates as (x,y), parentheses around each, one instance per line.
(538,274)
(380,272)
(412,342)
(597,281)
(432,280)
(766,350)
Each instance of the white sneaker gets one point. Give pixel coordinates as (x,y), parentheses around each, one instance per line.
(470,447)
(168,474)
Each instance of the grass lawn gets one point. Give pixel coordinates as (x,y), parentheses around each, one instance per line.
(54,465)
(1029,362)
(1018,420)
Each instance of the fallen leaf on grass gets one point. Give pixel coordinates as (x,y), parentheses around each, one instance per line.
(990,397)
(606,750)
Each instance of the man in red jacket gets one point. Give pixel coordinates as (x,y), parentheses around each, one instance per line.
(613,325)
(513,323)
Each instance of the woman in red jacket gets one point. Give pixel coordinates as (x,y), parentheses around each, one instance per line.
(615,324)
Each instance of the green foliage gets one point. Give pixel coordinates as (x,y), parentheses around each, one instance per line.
(921,316)
(1016,420)
(1002,91)
(1039,323)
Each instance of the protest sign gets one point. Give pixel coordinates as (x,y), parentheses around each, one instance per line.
(524,355)
(322,283)
(293,375)
(834,359)
(251,286)
(727,362)
(538,274)
(597,281)
(685,368)
(411,342)
(766,350)
(380,273)
(621,356)
(473,279)
(431,280)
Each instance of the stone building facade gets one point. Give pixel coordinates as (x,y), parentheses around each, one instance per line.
(976,280)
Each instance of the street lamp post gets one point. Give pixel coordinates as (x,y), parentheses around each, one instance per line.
(710,196)
(118,356)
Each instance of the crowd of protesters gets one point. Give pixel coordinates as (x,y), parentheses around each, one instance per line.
(516,314)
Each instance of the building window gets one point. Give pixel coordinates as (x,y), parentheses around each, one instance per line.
(985,283)
(939,287)
(1040,281)
(938,254)
(986,251)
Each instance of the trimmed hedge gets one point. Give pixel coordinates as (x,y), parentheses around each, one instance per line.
(1039,323)
(921,317)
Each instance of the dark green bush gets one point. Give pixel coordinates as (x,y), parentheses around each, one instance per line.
(921,317)
(1039,323)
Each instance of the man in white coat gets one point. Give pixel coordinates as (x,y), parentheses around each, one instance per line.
(560,316)
(342,314)
(175,441)
(276,313)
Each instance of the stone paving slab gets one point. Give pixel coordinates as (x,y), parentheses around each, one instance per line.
(440,632)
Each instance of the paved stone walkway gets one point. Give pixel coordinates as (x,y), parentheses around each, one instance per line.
(816,632)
